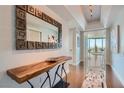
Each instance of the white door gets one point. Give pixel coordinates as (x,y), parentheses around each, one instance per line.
(71,47)
(74,43)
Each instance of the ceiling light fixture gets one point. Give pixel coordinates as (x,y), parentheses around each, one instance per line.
(91,10)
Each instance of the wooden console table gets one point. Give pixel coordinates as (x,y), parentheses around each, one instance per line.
(25,73)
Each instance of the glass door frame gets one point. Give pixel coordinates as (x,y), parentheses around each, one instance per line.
(86,46)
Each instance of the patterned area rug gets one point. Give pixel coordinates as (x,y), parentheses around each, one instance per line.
(95,79)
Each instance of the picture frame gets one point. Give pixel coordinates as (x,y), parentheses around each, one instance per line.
(115,39)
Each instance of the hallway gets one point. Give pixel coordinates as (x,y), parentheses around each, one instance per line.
(44,43)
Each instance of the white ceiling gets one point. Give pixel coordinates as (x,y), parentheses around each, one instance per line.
(79,15)
(100,33)
(61,11)
(76,12)
(110,14)
(71,14)
(96,13)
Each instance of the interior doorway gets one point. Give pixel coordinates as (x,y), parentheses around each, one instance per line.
(95,51)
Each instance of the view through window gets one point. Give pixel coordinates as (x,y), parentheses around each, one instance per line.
(96,44)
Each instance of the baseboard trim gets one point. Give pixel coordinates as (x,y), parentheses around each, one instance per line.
(74,64)
(118,75)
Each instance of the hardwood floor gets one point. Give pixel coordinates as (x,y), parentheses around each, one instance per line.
(111,78)
(76,75)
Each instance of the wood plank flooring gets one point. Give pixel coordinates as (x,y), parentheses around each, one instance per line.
(76,75)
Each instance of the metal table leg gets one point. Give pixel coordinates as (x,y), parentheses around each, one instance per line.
(64,71)
(56,73)
(48,77)
(60,76)
(30,84)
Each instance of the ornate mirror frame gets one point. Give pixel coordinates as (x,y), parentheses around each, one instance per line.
(21,42)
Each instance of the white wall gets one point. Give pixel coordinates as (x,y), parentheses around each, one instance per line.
(94,25)
(118,66)
(74,48)
(108,49)
(10,57)
(118,58)
(105,14)
(82,46)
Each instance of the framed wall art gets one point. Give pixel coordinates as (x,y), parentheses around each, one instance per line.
(115,39)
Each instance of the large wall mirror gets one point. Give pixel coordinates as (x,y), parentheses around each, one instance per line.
(36,30)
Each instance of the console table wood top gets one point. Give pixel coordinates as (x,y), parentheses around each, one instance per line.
(24,73)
